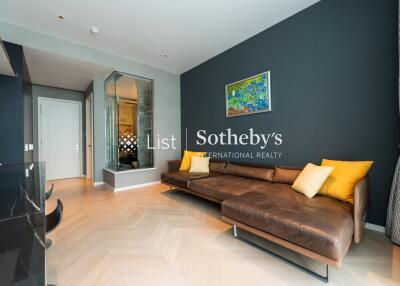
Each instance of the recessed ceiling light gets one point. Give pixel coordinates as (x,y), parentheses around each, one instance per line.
(60,17)
(94,30)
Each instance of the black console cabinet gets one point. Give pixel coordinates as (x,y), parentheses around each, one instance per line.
(22,229)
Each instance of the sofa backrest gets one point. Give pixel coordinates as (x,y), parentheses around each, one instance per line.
(286,175)
(217,167)
(280,174)
(260,173)
(250,164)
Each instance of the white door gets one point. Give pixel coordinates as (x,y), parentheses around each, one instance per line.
(60,137)
(89,137)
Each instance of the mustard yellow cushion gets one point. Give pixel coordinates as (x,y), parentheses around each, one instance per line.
(199,165)
(187,159)
(342,181)
(311,179)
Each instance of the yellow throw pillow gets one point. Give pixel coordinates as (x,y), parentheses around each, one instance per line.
(342,181)
(199,165)
(311,179)
(187,159)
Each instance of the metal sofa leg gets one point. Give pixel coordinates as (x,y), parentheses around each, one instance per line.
(315,274)
(235,231)
(324,278)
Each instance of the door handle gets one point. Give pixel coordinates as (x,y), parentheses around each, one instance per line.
(77,147)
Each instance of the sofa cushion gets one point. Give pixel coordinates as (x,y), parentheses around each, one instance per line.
(226,186)
(183,178)
(322,224)
(217,167)
(311,179)
(342,181)
(286,175)
(259,173)
(200,165)
(187,159)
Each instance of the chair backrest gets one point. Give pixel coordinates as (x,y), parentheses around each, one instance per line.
(50,192)
(54,218)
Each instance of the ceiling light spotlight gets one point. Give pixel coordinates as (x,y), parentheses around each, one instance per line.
(94,30)
(60,17)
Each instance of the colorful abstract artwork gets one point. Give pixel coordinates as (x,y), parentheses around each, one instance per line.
(248,96)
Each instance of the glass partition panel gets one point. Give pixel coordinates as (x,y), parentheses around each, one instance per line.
(111,124)
(129,123)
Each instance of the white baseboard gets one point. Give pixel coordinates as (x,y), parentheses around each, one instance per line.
(121,189)
(375,227)
(98,184)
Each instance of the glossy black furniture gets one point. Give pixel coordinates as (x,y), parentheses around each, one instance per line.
(22,224)
(49,192)
(53,220)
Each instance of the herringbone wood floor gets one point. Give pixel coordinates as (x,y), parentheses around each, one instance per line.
(149,236)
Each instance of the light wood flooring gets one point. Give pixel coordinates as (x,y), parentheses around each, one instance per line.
(149,236)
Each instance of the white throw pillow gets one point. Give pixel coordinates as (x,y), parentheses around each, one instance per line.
(199,165)
(311,179)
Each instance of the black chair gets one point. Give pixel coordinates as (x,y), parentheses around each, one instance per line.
(50,192)
(53,220)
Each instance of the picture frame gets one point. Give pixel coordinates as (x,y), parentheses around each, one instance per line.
(251,95)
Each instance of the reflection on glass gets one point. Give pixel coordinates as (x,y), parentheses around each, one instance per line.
(129,122)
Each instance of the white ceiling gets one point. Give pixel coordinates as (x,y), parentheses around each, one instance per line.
(63,72)
(189,31)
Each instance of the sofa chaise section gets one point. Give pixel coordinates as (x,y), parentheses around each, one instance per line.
(324,226)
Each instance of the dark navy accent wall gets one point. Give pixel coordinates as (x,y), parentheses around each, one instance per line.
(11,109)
(334,77)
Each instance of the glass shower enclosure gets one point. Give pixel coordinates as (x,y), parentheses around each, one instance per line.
(129,122)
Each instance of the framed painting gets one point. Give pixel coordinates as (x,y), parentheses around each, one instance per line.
(248,96)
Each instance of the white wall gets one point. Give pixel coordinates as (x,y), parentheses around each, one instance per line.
(166,97)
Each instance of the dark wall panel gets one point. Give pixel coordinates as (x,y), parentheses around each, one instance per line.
(334,75)
(11,109)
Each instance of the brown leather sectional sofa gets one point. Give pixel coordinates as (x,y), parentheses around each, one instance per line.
(260,199)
